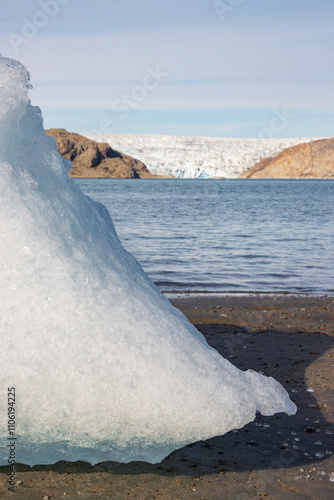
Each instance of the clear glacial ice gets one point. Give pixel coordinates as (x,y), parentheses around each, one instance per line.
(104,367)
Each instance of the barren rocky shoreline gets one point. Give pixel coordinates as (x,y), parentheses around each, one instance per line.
(314,160)
(94,160)
(194,157)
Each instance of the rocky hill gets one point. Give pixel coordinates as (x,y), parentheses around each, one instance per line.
(92,159)
(313,160)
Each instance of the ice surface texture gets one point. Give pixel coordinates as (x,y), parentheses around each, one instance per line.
(104,367)
(196,157)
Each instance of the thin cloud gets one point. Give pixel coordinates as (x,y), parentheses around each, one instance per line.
(265,54)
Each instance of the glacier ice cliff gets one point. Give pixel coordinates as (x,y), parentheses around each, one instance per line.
(196,157)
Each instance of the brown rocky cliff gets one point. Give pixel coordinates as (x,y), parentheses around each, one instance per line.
(96,160)
(313,160)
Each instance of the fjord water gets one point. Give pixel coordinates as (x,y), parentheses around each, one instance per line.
(225,235)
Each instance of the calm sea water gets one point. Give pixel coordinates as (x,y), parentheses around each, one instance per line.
(225,235)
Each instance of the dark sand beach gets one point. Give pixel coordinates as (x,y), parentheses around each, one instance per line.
(289,337)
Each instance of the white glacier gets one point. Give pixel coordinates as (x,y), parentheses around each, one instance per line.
(103,366)
(196,157)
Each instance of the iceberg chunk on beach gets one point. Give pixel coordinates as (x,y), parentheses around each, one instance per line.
(103,366)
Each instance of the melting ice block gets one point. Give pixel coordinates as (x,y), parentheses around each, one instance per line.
(103,366)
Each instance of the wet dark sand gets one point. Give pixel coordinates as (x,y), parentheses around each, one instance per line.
(288,337)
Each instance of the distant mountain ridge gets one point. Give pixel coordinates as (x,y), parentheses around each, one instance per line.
(91,159)
(314,160)
(193,157)
(197,157)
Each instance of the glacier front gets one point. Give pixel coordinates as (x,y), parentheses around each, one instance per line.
(196,157)
(103,366)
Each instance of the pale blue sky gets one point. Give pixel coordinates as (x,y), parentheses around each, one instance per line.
(226,68)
